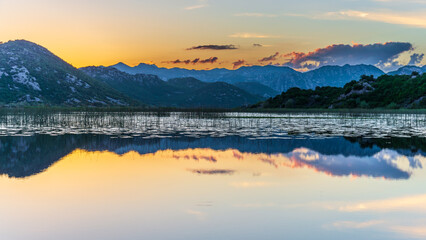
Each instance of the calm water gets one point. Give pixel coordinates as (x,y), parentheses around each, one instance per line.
(212,176)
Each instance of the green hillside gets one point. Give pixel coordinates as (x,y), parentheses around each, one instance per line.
(392,92)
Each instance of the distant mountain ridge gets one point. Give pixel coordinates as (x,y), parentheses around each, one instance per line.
(256,88)
(177,92)
(408,70)
(277,78)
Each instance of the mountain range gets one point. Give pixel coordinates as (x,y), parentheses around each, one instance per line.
(278,78)
(177,92)
(32,75)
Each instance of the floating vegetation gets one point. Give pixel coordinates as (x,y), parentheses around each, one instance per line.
(215,124)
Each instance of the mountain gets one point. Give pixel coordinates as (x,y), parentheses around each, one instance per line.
(386,91)
(277,78)
(256,88)
(408,70)
(32,75)
(176,92)
(338,76)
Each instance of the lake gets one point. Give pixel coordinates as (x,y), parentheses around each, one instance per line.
(182,175)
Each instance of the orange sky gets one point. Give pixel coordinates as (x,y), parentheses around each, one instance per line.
(107,32)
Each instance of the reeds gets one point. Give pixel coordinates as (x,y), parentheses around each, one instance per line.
(198,123)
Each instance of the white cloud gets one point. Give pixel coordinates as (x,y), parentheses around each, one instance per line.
(402,1)
(201,4)
(253,14)
(251,35)
(411,231)
(412,203)
(357,225)
(199,215)
(417,230)
(251,184)
(414,19)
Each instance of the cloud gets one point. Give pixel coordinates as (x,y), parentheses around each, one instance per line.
(209,60)
(199,215)
(194,61)
(238,63)
(213,47)
(416,59)
(415,19)
(270,58)
(250,184)
(416,229)
(382,55)
(178,61)
(387,164)
(213,171)
(411,231)
(255,15)
(411,203)
(402,1)
(201,4)
(251,35)
(357,225)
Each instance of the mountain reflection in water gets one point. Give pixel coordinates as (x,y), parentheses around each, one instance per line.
(101,187)
(394,158)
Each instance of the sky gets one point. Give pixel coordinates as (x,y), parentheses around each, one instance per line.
(205,34)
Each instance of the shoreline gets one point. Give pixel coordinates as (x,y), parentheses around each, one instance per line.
(36,109)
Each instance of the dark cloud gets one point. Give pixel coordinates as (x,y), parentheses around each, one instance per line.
(383,55)
(178,61)
(194,61)
(239,63)
(257,45)
(209,60)
(416,59)
(270,58)
(213,47)
(213,171)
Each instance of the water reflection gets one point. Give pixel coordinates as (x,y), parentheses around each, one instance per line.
(393,158)
(100,187)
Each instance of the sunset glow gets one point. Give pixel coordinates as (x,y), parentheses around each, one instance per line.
(86,33)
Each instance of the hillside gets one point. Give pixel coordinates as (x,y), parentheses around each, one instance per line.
(277,78)
(256,88)
(399,91)
(178,92)
(32,75)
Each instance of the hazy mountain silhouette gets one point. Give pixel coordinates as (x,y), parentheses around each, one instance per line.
(408,70)
(178,92)
(278,78)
